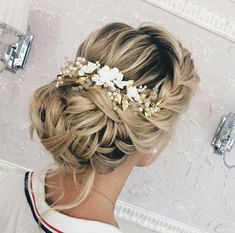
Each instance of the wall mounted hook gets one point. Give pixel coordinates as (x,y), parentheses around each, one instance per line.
(223,141)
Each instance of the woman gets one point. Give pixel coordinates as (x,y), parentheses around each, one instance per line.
(112,108)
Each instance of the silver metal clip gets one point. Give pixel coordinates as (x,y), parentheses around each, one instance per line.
(16,54)
(222,141)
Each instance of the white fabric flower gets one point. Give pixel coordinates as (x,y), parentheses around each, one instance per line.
(118,81)
(89,68)
(96,78)
(109,76)
(132,92)
(81,72)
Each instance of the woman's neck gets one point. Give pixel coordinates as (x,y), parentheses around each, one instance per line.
(96,206)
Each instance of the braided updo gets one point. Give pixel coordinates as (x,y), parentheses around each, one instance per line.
(81,129)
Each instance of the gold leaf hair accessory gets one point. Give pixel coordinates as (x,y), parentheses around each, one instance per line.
(85,74)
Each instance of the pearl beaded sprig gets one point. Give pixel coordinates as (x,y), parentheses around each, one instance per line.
(87,74)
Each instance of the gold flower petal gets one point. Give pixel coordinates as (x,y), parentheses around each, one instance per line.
(147,114)
(99,86)
(124,105)
(142,96)
(82,78)
(130,82)
(119,97)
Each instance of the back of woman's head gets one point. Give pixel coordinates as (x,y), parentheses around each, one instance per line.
(81,129)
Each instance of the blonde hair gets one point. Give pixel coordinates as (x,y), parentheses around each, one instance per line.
(81,130)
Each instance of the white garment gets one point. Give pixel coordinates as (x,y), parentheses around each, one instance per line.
(19,207)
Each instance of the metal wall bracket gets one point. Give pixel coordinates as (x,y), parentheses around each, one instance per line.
(16,54)
(222,141)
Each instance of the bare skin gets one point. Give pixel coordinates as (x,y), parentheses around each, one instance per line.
(97,207)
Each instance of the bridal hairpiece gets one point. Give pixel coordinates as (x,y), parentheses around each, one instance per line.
(85,74)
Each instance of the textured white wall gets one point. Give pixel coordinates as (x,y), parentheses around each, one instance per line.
(188,182)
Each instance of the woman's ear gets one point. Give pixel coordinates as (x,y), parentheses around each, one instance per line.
(146,159)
